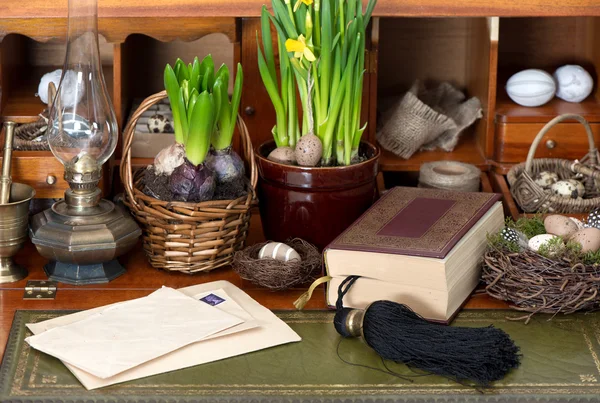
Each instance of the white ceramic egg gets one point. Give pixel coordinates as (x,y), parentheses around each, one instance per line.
(537,241)
(574,83)
(545,179)
(279,251)
(566,189)
(531,87)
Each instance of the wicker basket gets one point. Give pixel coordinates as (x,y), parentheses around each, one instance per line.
(181,236)
(533,198)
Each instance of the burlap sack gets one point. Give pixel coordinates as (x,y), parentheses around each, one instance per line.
(427,119)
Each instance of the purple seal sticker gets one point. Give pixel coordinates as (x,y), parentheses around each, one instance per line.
(212,299)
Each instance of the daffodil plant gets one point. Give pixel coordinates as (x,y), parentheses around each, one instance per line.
(327,39)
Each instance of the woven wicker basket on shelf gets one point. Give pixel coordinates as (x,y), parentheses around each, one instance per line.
(532,198)
(181,236)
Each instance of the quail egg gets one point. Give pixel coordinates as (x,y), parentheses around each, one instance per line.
(545,179)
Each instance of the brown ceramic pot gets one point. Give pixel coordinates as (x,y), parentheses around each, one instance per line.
(315,204)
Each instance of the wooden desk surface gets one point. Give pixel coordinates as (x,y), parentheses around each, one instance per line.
(141,279)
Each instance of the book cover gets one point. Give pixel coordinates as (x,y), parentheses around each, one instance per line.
(416,222)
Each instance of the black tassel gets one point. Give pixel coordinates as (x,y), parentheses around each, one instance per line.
(396,333)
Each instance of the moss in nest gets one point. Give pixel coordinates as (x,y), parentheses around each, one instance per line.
(553,249)
(591,258)
(529,226)
(498,242)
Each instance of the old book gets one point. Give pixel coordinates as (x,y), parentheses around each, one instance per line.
(421,247)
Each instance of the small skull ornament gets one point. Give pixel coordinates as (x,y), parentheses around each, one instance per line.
(569,188)
(159,124)
(545,179)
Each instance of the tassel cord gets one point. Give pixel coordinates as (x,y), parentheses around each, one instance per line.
(482,355)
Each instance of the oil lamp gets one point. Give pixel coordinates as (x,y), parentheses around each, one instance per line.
(83,234)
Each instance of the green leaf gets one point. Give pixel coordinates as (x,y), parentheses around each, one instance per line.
(182,71)
(178,109)
(223,74)
(195,75)
(236,97)
(193,98)
(267,40)
(281,138)
(369,12)
(198,142)
(221,102)
(207,71)
(282,15)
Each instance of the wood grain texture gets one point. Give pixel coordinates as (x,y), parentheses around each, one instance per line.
(251,8)
(509,112)
(117,29)
(513,141)
(467,151)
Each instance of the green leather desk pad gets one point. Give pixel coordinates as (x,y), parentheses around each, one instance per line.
(560,363)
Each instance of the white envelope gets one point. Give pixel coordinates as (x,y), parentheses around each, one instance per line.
(271,331)
(123,336)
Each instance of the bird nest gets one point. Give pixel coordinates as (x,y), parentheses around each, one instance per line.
(538,284)
(275,274)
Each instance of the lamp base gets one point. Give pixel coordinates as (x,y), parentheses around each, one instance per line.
(10,271)
(80,274)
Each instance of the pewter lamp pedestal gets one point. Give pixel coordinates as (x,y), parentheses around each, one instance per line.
(83,234)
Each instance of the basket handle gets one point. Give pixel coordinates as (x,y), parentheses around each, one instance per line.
(129,132)
(567,116)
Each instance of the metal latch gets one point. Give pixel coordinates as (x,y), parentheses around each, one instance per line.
(40,289)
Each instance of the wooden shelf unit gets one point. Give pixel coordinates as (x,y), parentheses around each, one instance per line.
(464,45)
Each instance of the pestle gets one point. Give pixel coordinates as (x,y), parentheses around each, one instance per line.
(5,179)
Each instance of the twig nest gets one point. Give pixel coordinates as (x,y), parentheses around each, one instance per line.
(588,238)
(569,188)
(309,150)
(283,155)
(276,274)
(538,241)
(278,251)
(545,179)
(574,83)
(560,225)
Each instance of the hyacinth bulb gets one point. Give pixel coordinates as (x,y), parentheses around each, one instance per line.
(87,127)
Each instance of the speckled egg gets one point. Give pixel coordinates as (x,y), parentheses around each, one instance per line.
(283,155)
(588,238)
(568,189)
(537,241)
(159,124)
(545,179)
(559,225)
(578,223)
(580,186)
(309,150)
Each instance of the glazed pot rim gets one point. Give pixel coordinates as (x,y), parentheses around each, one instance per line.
(319,169)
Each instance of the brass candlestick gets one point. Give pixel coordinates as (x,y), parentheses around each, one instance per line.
(14,214)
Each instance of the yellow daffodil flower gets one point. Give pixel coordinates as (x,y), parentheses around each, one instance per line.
(297,5)
(299,48)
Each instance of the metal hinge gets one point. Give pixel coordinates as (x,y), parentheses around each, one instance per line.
(40,289)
